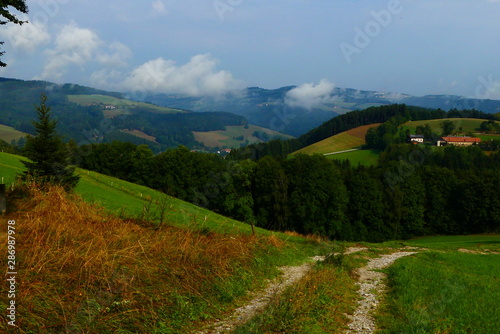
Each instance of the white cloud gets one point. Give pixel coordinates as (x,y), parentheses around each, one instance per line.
(73,46)
(198,77)
(27,37)
(114,55)
(159,8)
(309,95)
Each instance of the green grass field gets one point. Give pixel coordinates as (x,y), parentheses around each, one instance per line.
(8,133)
(435,292)
(122,105)
(467,124)
(488,137)
(227,138)
(475,242)
(342,141)
(360,157)
(347,140)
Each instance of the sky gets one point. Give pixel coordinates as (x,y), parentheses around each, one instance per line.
(205,47)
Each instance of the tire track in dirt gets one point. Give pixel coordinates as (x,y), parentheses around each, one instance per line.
(290,275)
(371,288)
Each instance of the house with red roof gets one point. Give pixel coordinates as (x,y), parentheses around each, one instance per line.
(458,141)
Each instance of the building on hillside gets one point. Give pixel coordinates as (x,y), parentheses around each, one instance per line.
(416,139)
(458,141)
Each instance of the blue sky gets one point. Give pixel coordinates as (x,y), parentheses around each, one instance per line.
(207,46)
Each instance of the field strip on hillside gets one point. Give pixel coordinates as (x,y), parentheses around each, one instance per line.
(290,275)
(371,286)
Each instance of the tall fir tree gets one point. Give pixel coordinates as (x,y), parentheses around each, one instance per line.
(48,154)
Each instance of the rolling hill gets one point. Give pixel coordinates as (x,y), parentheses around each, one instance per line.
(91,271)
(129,200)
(113,106)
(351,139)
(261,106)
(236,136)
(90,115)
(8,134)
(468,125)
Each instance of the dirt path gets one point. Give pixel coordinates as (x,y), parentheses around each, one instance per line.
(371,287)
(290,275)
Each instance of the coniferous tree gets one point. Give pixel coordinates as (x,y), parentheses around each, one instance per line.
(48,153)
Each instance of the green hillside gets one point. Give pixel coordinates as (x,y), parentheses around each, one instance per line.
(8,133)
(359,157)
(347,140)
(355,138)
(467,124)
(235,136)
(132,201)
(122,106)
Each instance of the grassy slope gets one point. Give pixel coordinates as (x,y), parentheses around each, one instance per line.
(102,274)
(343,141)
(8,133)
(226,138)
(130,200)
(436,292)
(360,157)
(467,124)
(122,104)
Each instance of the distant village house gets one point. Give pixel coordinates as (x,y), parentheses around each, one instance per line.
(416,139)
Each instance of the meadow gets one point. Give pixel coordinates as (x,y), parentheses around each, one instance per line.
(228,137)
(8,133)
(467,124)
(123,106)
(435,292)
(347,140)
(439,290)
(359,157)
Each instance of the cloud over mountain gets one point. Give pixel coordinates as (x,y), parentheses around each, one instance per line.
(197,77)
(309,95)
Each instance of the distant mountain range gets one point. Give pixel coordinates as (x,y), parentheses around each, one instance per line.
(166,120)
(268,108)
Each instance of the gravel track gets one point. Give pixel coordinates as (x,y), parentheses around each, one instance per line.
(371,287)
(260,299)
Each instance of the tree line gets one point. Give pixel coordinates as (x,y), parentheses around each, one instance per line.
(414,191)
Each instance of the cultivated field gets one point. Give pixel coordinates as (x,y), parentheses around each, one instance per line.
(467,124)
(122,106)
(353,138)
(8,133)
(231,137)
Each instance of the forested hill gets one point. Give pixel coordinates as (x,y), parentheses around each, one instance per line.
(89,115)
(350,120)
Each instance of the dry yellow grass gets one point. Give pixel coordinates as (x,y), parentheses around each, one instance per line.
(83,271)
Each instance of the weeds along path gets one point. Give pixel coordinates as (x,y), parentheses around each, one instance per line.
(371,287)
(290,275)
